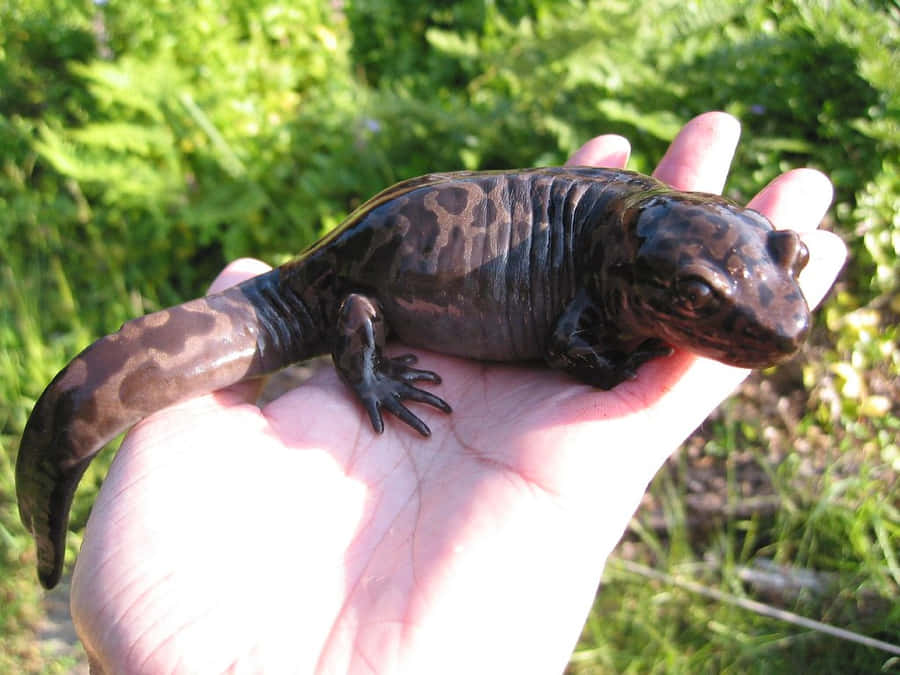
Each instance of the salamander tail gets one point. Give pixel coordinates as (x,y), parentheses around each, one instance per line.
(150,363)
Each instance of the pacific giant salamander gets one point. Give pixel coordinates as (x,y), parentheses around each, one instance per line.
(596,271)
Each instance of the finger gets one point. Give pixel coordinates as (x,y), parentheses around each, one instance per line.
(234,273)
(607,150)
(798,200)
(237,271)
(827,255)
(699,157)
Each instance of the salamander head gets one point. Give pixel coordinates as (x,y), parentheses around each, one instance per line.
(718,280)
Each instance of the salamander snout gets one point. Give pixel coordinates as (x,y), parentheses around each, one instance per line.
(791,333)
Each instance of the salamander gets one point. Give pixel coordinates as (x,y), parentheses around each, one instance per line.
(594,271)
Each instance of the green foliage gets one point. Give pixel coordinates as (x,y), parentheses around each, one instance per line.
(202,132)
(144,144)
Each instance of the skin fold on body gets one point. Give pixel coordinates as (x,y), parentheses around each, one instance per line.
(594,271)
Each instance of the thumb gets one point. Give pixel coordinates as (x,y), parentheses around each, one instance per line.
(234,273)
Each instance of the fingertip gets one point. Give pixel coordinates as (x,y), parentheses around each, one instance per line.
(813,177)
(237,271)
(827,255)
(796,200)
(719,121)
(610,150)
(699,157)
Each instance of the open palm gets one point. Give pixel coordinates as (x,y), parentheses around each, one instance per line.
(293,539)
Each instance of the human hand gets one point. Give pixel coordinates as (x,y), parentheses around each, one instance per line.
(293,539)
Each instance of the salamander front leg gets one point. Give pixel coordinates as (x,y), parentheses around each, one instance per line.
(582,346)
(379,382)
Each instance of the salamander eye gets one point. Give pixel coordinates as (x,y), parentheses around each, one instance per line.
(695,295)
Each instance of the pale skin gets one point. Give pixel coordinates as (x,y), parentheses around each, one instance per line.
(291,538)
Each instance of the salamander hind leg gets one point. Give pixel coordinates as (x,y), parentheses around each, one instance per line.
(583,346)
(379,382)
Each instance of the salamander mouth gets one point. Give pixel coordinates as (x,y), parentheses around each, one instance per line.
(758,360)
(752,353)
(746,345)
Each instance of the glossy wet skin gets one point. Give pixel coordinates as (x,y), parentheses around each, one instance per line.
(483,265)
(723,291)
(594,270)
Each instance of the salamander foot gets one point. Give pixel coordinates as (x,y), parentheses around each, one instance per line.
(381,383)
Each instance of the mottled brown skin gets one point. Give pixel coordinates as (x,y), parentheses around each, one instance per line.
(596,271)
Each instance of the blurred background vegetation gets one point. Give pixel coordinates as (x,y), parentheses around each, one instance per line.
(144,144)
